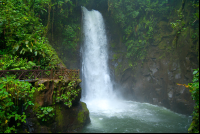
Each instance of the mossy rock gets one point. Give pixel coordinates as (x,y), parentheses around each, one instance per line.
(66,120)
(71,119)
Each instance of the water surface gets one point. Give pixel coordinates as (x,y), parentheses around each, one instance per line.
(136,117)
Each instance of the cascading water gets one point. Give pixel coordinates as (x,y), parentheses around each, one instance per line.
(107,112)
(95,73)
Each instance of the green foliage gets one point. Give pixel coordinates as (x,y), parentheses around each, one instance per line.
(24,33)
(195,25)
(9,62)
(12,92)
(67,96)
(116,56)
(195,17)
(65,31)
(15,94)
(179,24)
(185,21)
(71,33)
(138,20)
(194,90)
(41,87)
(20,33)
(45,113)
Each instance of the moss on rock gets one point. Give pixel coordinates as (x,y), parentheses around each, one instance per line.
(81,116)
(65,119)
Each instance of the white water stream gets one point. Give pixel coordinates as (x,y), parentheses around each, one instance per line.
(107,112)
(95,72)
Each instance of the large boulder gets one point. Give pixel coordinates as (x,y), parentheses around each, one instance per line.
(65,120)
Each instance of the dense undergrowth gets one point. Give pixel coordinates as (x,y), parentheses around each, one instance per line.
(14,94)
(140,21)
(24,45)
(194,90)
(23,34)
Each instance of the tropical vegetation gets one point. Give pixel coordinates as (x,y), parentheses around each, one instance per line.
(47,33)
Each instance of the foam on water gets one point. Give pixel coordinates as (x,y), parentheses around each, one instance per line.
(136,117)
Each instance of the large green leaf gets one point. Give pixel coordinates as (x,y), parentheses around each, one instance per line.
(15,69)
(31,63)
(1,86)
(22,68)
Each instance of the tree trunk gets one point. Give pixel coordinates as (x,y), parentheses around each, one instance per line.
(49,13)
(52,25)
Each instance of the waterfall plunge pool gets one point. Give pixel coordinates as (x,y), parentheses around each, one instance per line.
(134,117)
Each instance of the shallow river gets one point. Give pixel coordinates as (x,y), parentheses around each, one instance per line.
(134,117)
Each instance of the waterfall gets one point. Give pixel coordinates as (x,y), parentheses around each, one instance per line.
(96,83)
(108,113)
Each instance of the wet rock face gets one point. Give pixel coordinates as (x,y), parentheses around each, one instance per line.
(156,81)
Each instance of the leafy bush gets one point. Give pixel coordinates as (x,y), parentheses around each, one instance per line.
(71,37)
(12,91)
(137,20)
(24,34)
(194,90)
(68,96)
(9,62)
(45,113)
